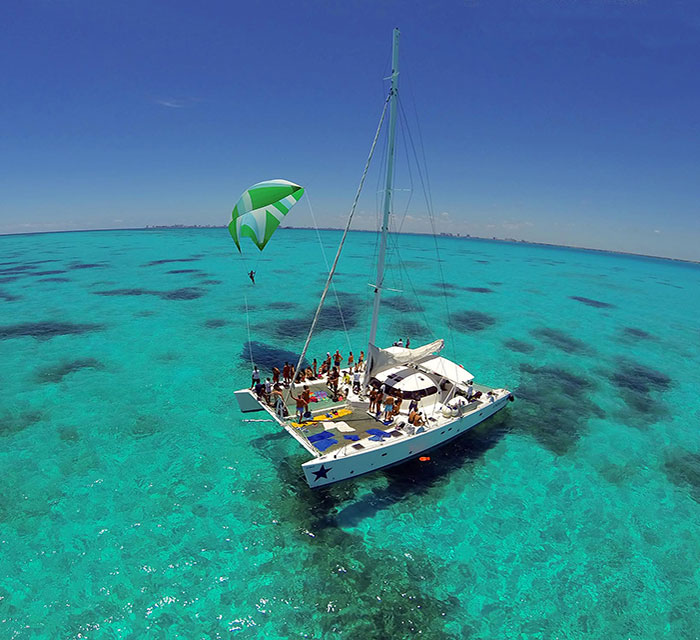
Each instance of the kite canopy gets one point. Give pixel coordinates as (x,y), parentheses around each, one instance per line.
(260,210)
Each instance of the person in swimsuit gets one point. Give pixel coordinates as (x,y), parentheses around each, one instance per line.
(351,360)
(397,403)
(372,399)
(275,375)
(251,275)
(388,406)
(378,401)
(315,366)
(285,373)
(277,400)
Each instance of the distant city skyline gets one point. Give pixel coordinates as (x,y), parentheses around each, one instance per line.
(574,124)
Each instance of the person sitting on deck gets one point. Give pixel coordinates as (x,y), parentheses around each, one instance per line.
(415,418)
(413,406)
(310,375)
(388,406)
(301,376)
(346,378)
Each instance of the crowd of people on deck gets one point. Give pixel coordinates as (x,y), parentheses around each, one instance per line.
(339,380)
(271,390)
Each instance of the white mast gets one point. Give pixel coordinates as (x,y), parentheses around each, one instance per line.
(389,185)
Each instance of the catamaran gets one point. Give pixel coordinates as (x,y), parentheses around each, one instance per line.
(439,398)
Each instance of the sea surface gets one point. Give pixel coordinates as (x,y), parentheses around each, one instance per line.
(137,502)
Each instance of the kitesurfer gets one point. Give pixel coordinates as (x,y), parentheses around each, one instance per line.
(251,275)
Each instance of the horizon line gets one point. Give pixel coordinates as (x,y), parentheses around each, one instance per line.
(178,227)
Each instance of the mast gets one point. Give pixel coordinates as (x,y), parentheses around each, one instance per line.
(393,94)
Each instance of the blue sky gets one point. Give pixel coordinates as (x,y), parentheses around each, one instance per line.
(567,122)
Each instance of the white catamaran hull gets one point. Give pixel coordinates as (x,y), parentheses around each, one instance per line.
(343,465)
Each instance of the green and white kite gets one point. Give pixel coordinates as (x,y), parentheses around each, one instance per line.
(260,210)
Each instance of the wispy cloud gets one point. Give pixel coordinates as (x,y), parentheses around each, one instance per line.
(176,103)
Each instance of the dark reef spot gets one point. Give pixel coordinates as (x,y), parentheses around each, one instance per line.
(641,388)
(330,318)
(11,423)
(126,292)
(409,328)
(55,280)
(49,273)
(470,321)
(184,271)
(86,265)
(45,330)
(153,263)
(187,293)
(20,269)
(211,281)
(637,334)
(216,323)
(144,426)
(267,356)
(478,289)
(683,469)
(282,305)
(639,378)
(68,434)
(560,340)
(482,261)
(8,297)
(402,304)
(555,406)
(593,303)
(8,279)
(56,373)
(519,346)
(437,293)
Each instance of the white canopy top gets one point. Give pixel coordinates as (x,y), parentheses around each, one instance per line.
(447,369)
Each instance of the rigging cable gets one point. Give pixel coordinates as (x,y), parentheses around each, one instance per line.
(429,204)
(345,233)
(328,267)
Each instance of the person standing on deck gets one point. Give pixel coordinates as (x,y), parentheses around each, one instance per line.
(351,361)
(356,381)
(337,358)
(408,342)
(268,390)
(315,365)
(397,403)
(378,401)
(361,361)
(388,406)
(292,371)
(255,377)
(372,399)
(277,400)
(285,373)
(306,397)
(301,407)
(275,375)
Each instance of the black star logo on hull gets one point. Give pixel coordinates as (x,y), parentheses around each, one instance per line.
(321,473)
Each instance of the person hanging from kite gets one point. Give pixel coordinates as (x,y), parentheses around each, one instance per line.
(259,211)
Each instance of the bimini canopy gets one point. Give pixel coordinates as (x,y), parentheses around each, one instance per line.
(381,359)
(446,369)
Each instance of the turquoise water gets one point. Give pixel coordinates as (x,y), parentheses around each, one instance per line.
(137,502)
